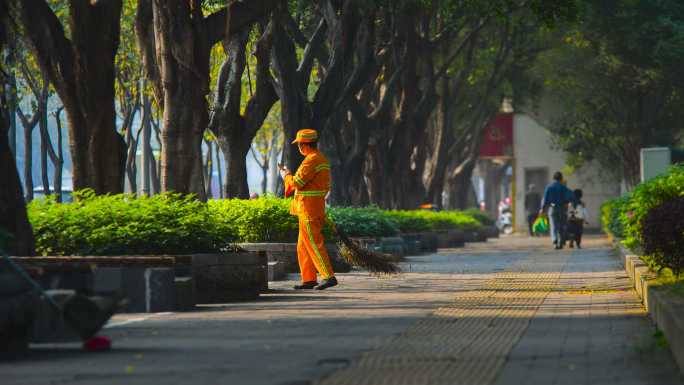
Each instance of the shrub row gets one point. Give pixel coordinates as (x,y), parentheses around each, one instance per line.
(444,220)
(121,225)
(650,204)
(171,224)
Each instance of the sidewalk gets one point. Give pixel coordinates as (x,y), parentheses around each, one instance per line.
(508,311)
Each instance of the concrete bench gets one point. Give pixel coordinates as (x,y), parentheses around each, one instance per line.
(286,253)
(276,271)
(428,242)
(412,242)
(450,238)
(229,277)
(476,234)
(492,231)
(150,283)
(393,245)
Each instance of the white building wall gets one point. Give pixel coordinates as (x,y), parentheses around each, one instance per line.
(533,150)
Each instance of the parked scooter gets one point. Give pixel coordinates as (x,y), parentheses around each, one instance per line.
(504,222)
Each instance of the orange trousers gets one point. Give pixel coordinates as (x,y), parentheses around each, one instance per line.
(310,249)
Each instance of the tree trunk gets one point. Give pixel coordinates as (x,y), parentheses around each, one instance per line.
(339,181)
(44,137)
(16,235)
(209,169)
(236,169)
(218,169)
(346,159)
(156,184)
(264,182)
(293,76)
(146,150)
(9,108)
(28,163)
(13,218)
(234,131)
(58,159)
(131,164)
(465,187)
(175,40)
(360,197)
(81,69)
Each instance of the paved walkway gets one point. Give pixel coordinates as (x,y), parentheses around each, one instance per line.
(509,311)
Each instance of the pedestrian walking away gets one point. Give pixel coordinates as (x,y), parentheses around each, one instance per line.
(577,217)
(532,202)
(311,184)
(556,196)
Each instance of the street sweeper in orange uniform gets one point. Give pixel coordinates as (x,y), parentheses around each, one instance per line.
(311,184)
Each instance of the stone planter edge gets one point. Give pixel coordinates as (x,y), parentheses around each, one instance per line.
(666,310)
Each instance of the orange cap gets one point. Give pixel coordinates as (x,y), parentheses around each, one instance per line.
(306,136)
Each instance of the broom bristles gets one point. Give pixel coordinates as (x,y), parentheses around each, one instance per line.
(376,263)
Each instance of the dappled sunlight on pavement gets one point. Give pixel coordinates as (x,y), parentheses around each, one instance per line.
(507,311)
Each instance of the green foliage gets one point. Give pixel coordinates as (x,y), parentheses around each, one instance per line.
(610,211)
(481,216)
(369,221)
(648,195)
(169,224)
(618,76)
(409,223)
(123,225)
(663,235)
(446,220)
(266,219)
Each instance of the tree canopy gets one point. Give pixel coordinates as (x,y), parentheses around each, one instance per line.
(619,76)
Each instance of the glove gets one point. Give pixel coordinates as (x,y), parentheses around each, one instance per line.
(283,173)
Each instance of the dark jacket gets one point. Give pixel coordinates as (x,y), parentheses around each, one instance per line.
(558,195)
(532,202)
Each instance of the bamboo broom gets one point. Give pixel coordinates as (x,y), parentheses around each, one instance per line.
(376,263)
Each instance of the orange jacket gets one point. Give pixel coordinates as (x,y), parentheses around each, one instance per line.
(311,184)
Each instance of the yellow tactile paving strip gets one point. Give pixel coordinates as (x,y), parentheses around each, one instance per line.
(466,342)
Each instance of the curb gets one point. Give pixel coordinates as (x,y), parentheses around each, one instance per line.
(666,310)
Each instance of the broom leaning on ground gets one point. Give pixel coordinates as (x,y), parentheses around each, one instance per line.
(376,263)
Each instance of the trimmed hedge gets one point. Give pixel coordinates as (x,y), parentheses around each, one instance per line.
(123,225)
(170,224)
(369,221)
(446,220)
(266,219)
(408,223)
(482,216)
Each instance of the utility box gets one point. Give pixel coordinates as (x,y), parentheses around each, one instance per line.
(654,161)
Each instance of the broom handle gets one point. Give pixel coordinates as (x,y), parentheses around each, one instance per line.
(29,280)
(331,224)
(337,231)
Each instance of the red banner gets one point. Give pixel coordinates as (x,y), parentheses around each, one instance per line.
(498,140)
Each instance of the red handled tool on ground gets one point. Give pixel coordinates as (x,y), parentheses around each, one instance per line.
(83,313)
